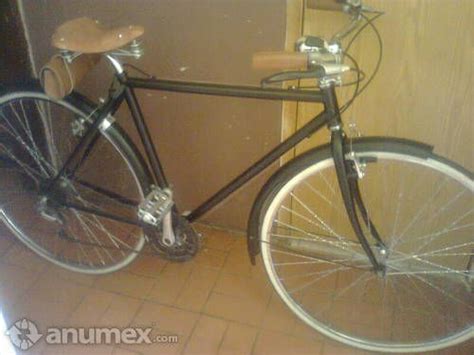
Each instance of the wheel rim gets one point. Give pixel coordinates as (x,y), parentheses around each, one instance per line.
(71,239)
(345,317)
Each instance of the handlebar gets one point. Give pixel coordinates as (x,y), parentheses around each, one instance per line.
(280,60)
(335,5)
(328,5)
(314,54)
(314,63)
(352,7)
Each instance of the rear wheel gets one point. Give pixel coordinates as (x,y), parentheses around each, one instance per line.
(421,206)
(37,135)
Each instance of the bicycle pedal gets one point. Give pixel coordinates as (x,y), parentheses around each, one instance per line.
(155,206)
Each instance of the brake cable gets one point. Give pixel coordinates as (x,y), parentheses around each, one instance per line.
(358,91)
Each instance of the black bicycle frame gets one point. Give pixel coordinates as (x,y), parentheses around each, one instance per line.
(232,91)
(126,93)
(328,117)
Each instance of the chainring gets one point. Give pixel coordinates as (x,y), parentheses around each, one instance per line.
(188,241)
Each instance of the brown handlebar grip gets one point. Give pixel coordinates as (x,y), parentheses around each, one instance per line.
(328,5)
(280,60)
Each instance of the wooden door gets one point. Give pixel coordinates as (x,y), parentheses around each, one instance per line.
(423,90)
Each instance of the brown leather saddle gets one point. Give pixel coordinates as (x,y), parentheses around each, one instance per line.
(89,36)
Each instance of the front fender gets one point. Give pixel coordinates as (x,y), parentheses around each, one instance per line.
(271,187)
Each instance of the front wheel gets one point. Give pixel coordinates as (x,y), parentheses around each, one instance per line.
(422,208)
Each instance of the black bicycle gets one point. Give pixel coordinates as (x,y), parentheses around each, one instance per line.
(367,240)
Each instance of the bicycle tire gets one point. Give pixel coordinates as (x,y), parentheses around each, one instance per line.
(113,141)
(296,260)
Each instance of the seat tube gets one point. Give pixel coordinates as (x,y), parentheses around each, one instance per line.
(133,105)
(145,137)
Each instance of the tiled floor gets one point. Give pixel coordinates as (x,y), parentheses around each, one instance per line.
(216,304)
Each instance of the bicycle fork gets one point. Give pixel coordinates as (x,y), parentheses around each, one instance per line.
(347,176)
(349,187)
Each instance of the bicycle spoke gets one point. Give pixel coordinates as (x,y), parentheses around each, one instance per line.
(116,241)
(50,138)
(419,214)
(312,282)
(299,276)
(346,289)
(439,252)
(330,187)
(326,227)
(35,175)
(80,246)
(93,239)
(326,199)
(29,134)
(440,290)
(39,160)
(444,208)
(431,237)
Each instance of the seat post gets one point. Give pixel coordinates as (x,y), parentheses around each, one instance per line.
(115,63)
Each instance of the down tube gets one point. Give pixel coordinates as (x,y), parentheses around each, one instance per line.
(312,126)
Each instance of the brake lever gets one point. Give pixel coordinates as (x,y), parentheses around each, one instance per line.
(356,17)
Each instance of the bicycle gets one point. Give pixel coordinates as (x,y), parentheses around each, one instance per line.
(379,222)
